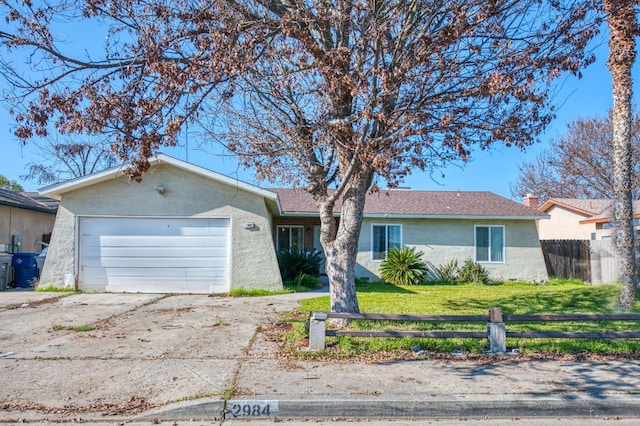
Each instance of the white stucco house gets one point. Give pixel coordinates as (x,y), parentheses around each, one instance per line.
(186,229)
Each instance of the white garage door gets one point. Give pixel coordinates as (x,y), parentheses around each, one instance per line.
(155,255)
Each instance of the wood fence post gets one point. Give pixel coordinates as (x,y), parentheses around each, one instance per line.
(496,332)
(317,329)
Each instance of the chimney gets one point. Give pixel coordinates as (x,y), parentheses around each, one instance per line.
(531,201)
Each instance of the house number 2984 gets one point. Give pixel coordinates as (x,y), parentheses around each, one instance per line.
(242,408)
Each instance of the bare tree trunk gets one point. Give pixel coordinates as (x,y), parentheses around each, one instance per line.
(340,243)
(623,26)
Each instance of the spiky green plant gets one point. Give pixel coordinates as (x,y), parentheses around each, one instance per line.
(295,262)
(448,272)
(472,272)
(403,266)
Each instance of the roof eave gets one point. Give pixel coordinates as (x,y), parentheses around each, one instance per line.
(30,208)
(602,220)
(550,203)
(56,190)
(424,216)
(451,216)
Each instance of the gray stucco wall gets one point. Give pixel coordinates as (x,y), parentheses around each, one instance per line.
(442,240)
(253,259)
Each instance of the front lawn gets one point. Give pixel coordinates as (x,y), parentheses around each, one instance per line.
(470,299)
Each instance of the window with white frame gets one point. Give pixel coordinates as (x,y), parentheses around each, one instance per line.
(383,238)
(290,237)
(489,243)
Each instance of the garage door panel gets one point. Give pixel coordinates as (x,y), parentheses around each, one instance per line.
(93,278)
(152,226)
(165,241)
(163,252)
(173,273)
(162,262)
(155,254)
(155,286)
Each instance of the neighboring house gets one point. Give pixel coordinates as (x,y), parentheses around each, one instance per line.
(188,229)
(579,219)
(24,219)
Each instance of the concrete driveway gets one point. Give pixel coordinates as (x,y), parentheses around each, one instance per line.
(123,357)
(121,354)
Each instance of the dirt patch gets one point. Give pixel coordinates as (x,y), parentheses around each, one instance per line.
(35,303)
(135,405)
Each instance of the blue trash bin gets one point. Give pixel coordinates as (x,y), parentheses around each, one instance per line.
(25,269)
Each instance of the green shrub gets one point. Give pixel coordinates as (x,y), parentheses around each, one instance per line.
(403,267)
(448,272)
(472,272)
(303,282)
(294,263)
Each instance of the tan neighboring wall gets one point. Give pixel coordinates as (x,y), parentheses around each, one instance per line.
(564,224)
(442,240)
(253,260)
(29,224)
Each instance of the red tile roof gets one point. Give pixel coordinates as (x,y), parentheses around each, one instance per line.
(419,203)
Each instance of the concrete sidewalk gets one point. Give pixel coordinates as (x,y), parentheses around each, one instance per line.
(152,357)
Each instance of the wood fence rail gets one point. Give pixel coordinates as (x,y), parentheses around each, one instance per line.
(496,333)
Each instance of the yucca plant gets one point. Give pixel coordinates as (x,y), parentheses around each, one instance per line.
(472,272)
(448,272)
(403,266)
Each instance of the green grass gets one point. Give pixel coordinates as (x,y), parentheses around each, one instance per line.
(79,329)
(302,282)
(255,292)
(470,299)
(54,289)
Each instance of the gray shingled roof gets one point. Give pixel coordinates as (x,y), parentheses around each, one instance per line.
(28,201)
(419,203)
(589,206)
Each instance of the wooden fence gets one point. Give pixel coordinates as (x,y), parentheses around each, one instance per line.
(567,259)
(592,261)
(496,333)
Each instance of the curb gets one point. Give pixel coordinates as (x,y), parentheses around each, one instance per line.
(509,406)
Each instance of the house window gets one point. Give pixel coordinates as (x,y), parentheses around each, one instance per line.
(290,237)
(490,244)
(383,238)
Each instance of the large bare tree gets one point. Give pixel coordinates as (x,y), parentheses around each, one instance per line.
(579,163)
(623,28)
(336,97)
(68,158)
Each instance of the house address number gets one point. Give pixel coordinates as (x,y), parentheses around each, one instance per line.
(248,408)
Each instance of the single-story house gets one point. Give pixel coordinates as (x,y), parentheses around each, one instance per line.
(24,218)
(487,228)
(579,219)
(188,229)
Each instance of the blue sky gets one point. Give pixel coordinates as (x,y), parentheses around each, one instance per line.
(493,170)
